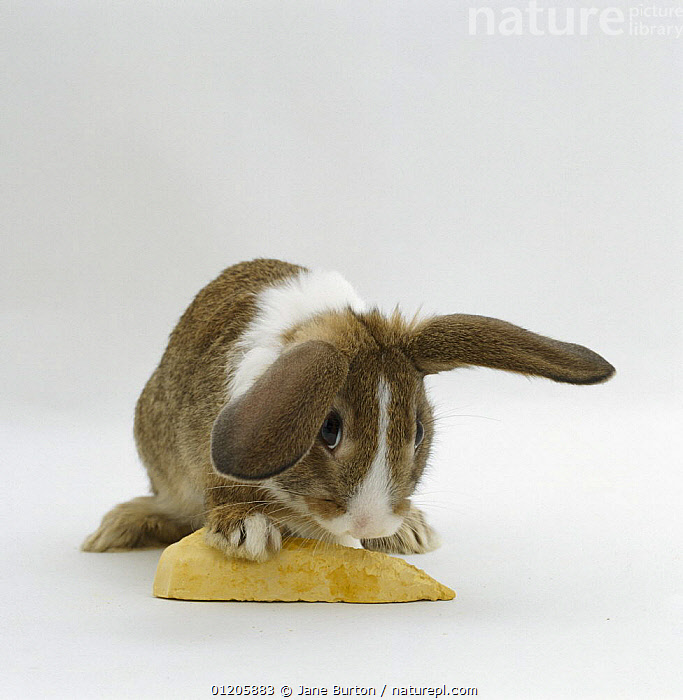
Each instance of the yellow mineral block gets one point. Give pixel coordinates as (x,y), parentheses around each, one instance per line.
(305,570)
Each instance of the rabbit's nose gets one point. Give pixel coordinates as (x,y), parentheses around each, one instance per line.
(362,527)
(369,526)
(360,522)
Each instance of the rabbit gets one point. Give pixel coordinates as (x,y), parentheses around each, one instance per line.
(284,406)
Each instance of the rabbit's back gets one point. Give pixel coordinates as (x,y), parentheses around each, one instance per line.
(179,403)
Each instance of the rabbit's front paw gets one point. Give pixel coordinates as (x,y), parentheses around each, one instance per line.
(254,537)
(414,536)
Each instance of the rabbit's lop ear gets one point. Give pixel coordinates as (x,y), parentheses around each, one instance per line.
(273,425)
(458,340)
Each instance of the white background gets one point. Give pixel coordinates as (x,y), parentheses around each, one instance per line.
(145,146)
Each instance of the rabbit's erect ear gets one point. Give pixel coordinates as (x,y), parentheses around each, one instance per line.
(458,340)
(273,425)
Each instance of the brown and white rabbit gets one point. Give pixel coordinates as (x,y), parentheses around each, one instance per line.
(282,405)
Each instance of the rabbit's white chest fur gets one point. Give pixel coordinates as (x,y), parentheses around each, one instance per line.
(279,308)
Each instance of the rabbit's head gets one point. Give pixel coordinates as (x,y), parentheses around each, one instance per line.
(339,426)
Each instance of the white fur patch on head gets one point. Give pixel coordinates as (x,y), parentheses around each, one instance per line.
(279,308)
(370,508)
(369,513)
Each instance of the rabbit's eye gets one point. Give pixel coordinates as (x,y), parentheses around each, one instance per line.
(419,433)
(332,430)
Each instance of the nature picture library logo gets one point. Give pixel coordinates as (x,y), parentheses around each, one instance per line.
(534,19)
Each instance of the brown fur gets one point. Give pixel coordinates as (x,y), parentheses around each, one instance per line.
(253,468)
(447,342)
(177,408)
